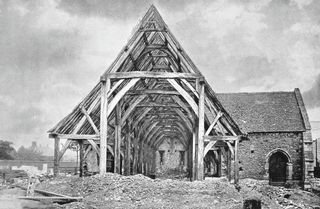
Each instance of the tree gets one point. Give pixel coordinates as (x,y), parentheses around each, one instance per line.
(30,153)
(7,152)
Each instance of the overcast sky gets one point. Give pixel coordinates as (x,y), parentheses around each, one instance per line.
(53,52)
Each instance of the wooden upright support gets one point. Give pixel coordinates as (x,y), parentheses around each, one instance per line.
(127,152)
(200,166)
(194,156)
(56,156)
(236,163)
(117,140)
(140,162)
(81,157)
(229,156)
(105,85)
(135,157)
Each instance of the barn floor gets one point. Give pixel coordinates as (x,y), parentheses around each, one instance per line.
(138,191)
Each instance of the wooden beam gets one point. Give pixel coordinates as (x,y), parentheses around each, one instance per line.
(83,118)
(222,138)
(216,119)
(105,85)
(151,135)
(141,157)
(194,153)
(87,150)
(124,52)
(94,146)
(208,147)
(185,95)
(236,163)
(155,104)
(148,130)
(131,108)
(194,91)
(229,159)
(135,155)
(127,152)
(83,110)
(110,149)
(179,101)
(64,149)
(75,136)
(184,118)
(230,148)
(81,158)
(141,116)
(53,199)
(114,87)
(43,192)
(120,94)
(56,156)
(200,165)
(155,75)
(152,91)
(117,139)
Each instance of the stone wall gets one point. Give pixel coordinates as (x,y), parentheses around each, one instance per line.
(253,152)
(171,157)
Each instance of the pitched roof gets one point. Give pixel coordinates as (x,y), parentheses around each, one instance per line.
(143,87)
(264,111)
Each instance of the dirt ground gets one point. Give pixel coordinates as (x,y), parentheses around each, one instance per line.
(138,191)
(9,200)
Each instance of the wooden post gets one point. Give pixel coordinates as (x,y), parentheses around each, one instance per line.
(200,166)
(105,85)
(81,157)
(135,158)
(127,152)
(117,140)
(219,157)
(236,162)
(56,156)
(153,161)
(194,156)
(229,164)
(140,163)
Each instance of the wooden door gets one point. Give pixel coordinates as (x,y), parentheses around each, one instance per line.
(277,168)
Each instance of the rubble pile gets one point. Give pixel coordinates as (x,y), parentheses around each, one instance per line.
(279,197)
(138,191)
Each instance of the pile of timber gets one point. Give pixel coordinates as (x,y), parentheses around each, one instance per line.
(49,196)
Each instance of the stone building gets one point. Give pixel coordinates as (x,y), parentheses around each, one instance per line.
(153,112)
(278,145)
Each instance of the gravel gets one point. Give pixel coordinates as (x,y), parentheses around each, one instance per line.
(138,191)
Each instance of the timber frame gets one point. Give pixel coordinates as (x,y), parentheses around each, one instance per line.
(152,91)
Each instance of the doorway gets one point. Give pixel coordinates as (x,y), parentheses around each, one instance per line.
(278,168)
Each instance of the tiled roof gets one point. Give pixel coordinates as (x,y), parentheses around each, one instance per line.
(264,112)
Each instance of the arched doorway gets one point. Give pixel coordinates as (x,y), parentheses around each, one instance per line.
(279,167)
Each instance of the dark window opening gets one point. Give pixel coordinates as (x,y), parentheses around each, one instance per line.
(182,158)
(161,157)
